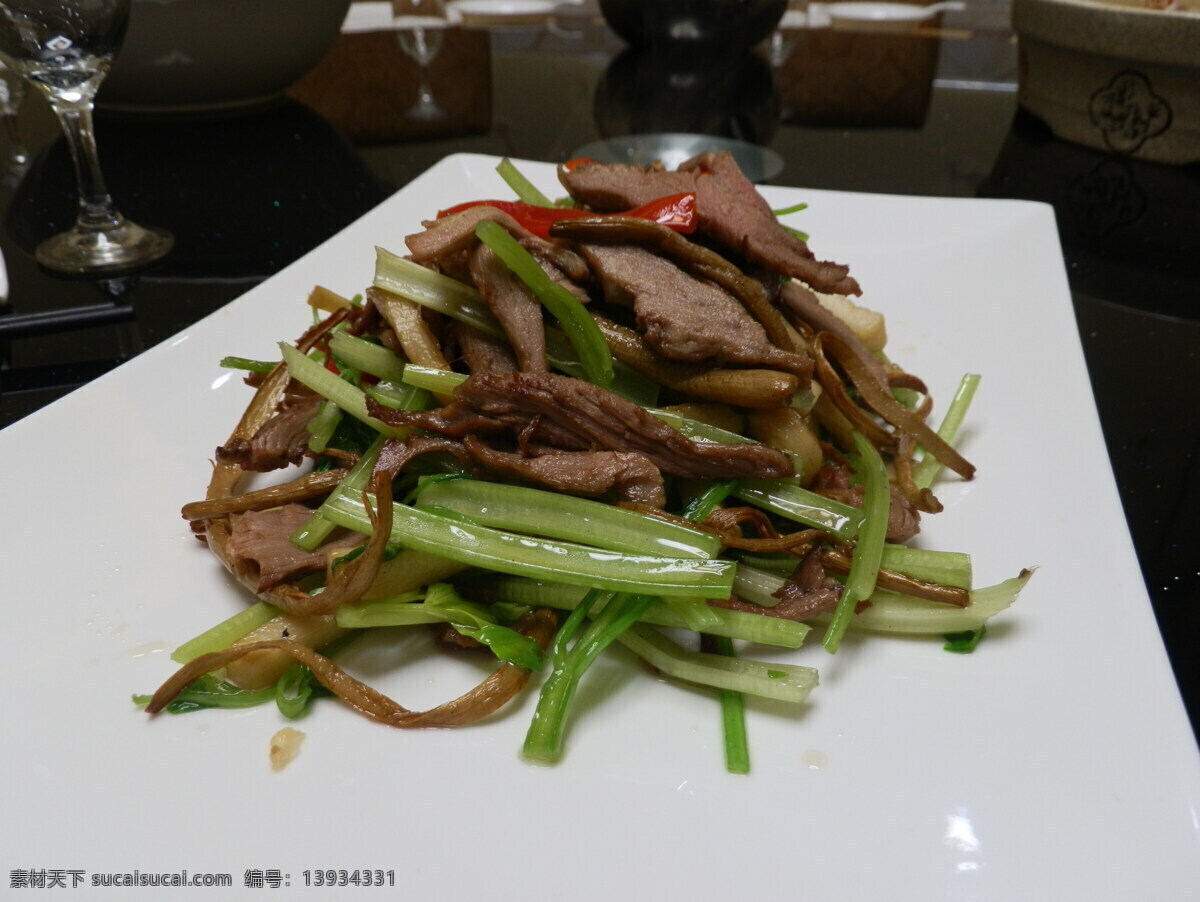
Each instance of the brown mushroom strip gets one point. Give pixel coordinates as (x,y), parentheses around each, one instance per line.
(307,486)
(880,401)
(801,304)
(486,698)
(726,524)
(694,257)
(347,582)
(745,388)
(918,496)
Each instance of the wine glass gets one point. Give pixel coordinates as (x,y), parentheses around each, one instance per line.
(64,48)
(419,29)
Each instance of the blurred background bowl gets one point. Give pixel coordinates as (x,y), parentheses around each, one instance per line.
(713,24)
(1115,76)
(211,55)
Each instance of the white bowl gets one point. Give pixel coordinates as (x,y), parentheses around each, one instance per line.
(1112,76)
(201,55)
(868,15)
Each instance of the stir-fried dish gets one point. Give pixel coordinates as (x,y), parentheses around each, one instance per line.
(643,414)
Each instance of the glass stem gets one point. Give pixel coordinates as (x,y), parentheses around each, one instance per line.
(96,207)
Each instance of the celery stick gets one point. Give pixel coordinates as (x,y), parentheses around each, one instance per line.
(927,470)
(558,516)
(894,613)
(367,357)
(627,383)
(544,740)
(398,396)
(225,633)
(946,568)
(799,504)
(750,627)
(733,721)
(435,291)
(348,397)
(252,366)
(699,507)
(572,316)
(756,585)
(521,555)
(782,682)
(441,604)
(694,612)
(868,551)
(322,426)
(575,622)
(700,432)
(316,529)
(521,186)
(891,612)
(440,382)
(210,692)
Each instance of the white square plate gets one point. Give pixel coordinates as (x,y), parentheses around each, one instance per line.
(1053,763)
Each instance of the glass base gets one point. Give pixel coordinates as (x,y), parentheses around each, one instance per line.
(82,251)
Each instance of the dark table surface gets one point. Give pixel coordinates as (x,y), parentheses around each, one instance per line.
(937,114)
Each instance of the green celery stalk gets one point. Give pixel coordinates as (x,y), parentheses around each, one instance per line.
(225,633)
(963,643)
(927,470)
(695,613)
(698,431)
(329,385)
(733,721)
(544,739)
(946,568)
(322,426)
(433,290)
(440,382)
(296,690)
(700,506)
(367,357)
(891,612)
(210,692)
(398,396)
(252,366)
(525,190)
(316,529)
(572,316)
(781,682)
(743,625)
(395,610)
(508,552)
(439,603)
(554,515)
(796,503)
(868,551)
(894,613)
(478,622)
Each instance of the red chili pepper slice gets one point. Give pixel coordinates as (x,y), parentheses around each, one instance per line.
(678,212)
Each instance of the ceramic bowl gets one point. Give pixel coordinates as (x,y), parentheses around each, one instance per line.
(1113,76)
(205,55)
(682,24)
